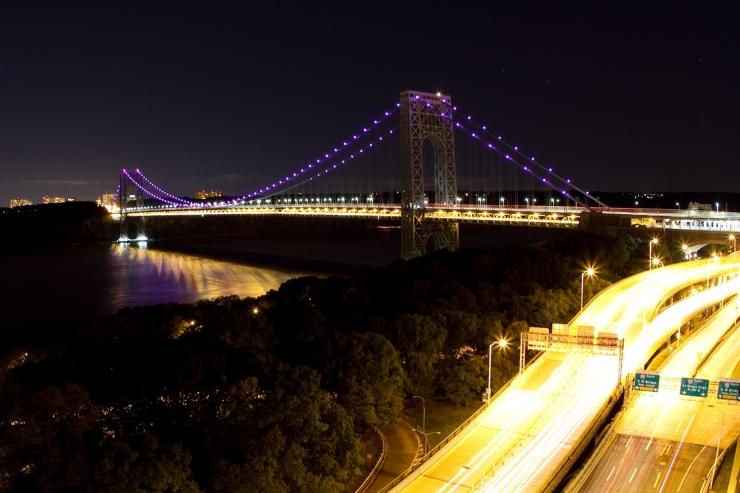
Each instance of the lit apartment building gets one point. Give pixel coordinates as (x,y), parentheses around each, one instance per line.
(19,202)
(207,195)
(56,200)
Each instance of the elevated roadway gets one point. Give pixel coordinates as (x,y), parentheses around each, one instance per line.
(532,430)
(665,441)
(539,216)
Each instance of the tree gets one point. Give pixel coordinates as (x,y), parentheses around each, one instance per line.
(419,341)
(368,379)
(464,380)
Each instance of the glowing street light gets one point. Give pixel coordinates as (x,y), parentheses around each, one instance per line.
(590,272)
(502,343)
(732,239)
(650,263)
(686,251)
(657,262)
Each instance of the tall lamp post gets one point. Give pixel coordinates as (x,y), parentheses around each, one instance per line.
(732,239)
(501,343)
(482,479)
(686,251)
(423,413)
(590,271)
(719,442)
(650,263)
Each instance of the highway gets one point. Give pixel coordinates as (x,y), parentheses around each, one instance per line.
(526,435)
(665,441)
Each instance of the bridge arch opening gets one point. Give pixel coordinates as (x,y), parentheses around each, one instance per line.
(426,117)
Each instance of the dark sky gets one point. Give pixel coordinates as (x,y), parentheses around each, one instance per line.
(618,95)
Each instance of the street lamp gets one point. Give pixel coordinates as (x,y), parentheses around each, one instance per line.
(717,204)
(590,271)
(482,479)
(650,263)
(686,251)
(657,262)
(424,413)
(719,442)
(732,239)
(501,343)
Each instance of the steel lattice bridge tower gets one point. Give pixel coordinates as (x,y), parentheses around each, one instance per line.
(130,196)
(426,116)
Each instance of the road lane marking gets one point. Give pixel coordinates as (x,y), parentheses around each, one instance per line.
(655,484)
(666,449)
(610,474)
(633,475)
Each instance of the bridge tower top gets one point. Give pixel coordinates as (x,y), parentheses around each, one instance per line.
(426,116)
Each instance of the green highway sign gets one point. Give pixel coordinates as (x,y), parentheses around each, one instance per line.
(694,387)
(728,389)
(647,381)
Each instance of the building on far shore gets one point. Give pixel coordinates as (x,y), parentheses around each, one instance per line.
(107,200)
(207,195)
(18,202)
(56,200)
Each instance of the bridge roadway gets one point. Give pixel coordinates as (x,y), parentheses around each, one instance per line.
(665,441)
(522,440)
(541,216)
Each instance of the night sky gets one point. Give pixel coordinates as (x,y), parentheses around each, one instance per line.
(620,96)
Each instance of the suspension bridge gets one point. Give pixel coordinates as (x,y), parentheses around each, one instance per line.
(452,169)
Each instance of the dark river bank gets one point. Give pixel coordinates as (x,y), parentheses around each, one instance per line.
(100,279)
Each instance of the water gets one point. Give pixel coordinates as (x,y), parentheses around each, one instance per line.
(101,279)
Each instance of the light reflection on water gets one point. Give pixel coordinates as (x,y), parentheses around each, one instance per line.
(101,279)
(148,277)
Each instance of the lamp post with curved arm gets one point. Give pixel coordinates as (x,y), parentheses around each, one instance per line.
(482,479)
(653,241)
(423,413)
(502,343)
(590,271)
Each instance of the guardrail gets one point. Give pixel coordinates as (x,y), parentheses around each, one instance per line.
(420,432)
(378,465)
(715,468)
(456,432)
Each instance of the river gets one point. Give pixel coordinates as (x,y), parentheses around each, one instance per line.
(101,279)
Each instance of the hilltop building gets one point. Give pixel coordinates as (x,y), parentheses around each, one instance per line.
(18,202)
(207,195)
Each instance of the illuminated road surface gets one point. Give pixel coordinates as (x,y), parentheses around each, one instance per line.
(530,430)
(664,441)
